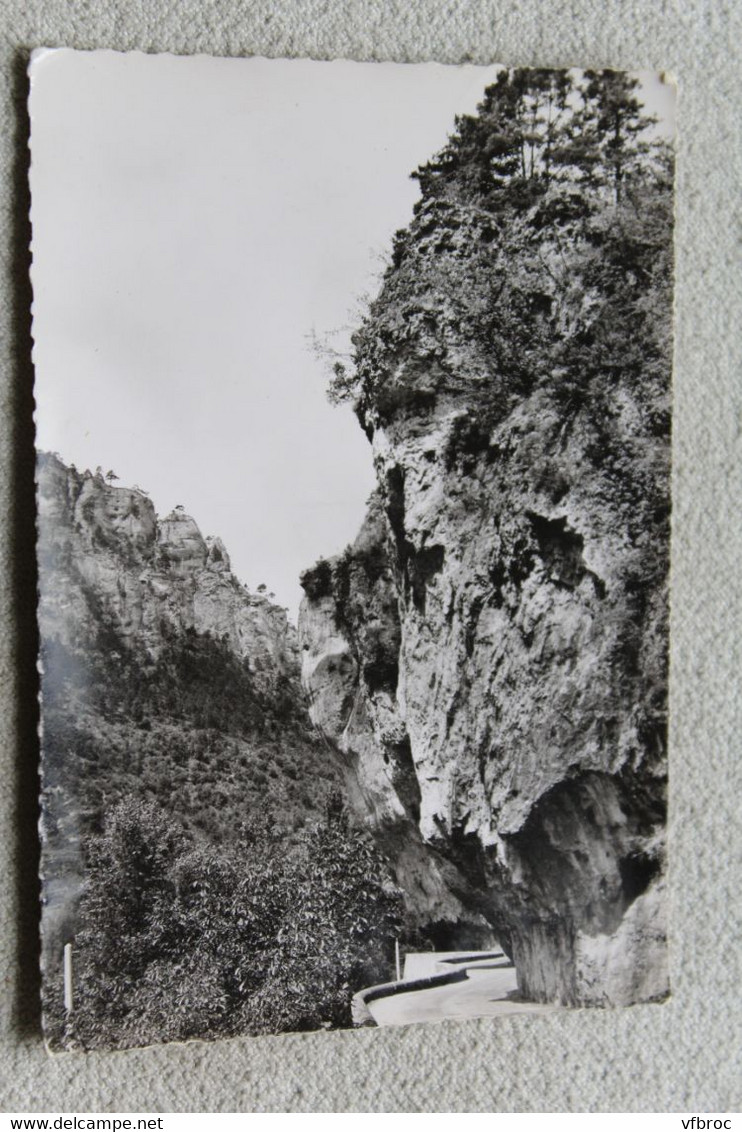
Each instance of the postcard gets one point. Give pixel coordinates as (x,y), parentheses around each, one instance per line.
(353,407)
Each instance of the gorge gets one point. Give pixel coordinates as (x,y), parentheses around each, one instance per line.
(463,743)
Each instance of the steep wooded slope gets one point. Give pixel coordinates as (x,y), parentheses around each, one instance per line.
(163,679)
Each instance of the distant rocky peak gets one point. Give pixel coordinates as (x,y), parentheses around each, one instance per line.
(105,555)
(217,557)
(180,542)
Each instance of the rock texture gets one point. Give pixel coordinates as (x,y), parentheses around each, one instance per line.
(489,658)
(149,577)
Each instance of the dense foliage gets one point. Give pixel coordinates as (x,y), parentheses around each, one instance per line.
(200,857)
(190,726)
(179,940)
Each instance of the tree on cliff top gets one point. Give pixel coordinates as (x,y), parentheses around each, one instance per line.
(535,128)
(541,242)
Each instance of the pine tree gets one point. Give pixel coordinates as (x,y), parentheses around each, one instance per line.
(535,127)
(504,154)
(608,131)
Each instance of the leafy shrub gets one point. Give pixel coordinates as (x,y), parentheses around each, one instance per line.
(178,940)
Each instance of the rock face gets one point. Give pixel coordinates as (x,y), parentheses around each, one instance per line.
(351,639)
(489,659)
(151,578)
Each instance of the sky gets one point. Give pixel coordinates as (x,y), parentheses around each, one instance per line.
(196,222)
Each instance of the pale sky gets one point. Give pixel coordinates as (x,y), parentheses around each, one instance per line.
(194,221)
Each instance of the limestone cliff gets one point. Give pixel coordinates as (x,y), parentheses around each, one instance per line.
(489,657)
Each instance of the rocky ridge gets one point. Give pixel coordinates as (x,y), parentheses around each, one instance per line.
(149,577)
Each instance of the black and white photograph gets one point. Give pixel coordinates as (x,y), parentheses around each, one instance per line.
(353,421)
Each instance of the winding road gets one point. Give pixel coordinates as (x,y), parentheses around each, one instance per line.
(489,990)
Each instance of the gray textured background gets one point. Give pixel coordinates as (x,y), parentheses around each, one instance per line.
(683,1055)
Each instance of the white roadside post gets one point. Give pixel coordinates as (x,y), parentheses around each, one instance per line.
(396,958)
(68,977)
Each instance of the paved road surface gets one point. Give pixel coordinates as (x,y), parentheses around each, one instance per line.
(482,995)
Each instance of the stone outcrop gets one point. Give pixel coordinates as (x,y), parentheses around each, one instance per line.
(148,577)
(489,659)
